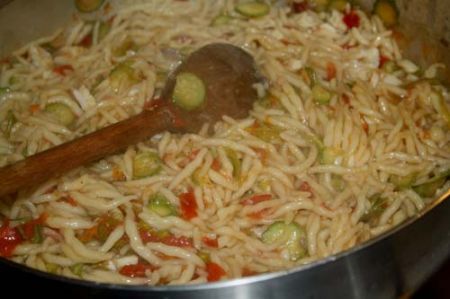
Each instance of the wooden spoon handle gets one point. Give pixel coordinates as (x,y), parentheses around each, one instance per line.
(89,148)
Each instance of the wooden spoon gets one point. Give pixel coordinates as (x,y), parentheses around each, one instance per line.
(228,74)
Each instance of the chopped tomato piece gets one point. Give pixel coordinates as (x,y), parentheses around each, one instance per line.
(247,272)
(305,187)
(210,242)
(34,108)
(383,60)
(256,199)
(261,153)
(105,225)
(88,234)
(216,164)
(258,215)
(118,174)
(70,200)
(215,272)
(136,270)
(148,236)
(63,69)
(193,154)
(86,41)
(364,124)
(164,237)
(331,71)
(9,239)
(188,205)
(299,7)
(181,241)
(345,99)
(351,19)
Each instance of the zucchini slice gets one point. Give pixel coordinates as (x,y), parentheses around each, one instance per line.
(253,9)
(189,91)
(387,11)
(61,112)
(146,164)
(87,6)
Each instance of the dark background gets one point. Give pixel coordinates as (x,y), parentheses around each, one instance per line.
(438,286)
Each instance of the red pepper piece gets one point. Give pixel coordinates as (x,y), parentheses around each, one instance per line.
(188,205)
(9,239)
(215,272)
(351,19)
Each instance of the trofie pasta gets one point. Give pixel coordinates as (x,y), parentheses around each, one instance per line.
(347,140)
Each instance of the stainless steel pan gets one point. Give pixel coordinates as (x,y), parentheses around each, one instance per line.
(389,266)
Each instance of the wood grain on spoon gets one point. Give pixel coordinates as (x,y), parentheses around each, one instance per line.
(228,73)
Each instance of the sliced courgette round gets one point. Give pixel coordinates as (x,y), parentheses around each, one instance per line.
(253,9)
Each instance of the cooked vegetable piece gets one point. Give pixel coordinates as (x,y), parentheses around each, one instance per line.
(235,161)
(319,5)
(61,112)
(321,95)
(52,268)
(189,91)
(299,7)
(221,20)
(106,225)
(378,206)
(159,204)
(9,239)
(337,182)
(338,4)
(253,9)
(210,242)
(146,164)
(86,42)
(313,139)
(188,205)
(294,246)
(204,256)
(387,11)
(103,30)
(390,66)
(31,231)
(215,271)
(124,47)
(438,102)
(122,77)
(276,232)
(88,5)
(199,179)
(351,19)
(267,133)
(4,90)
(309,75)
(63,70)
(288,234)
(328,155)
(403,182)
(180,241)
(77,269)
(9,121)
(136,270)
(429,188)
